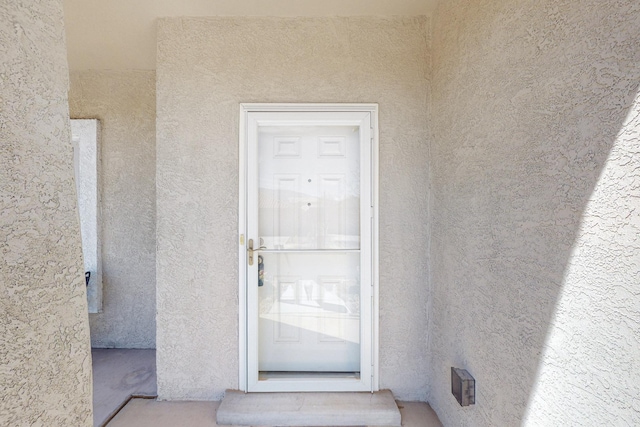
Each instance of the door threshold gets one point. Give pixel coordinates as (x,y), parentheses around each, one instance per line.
(272,375)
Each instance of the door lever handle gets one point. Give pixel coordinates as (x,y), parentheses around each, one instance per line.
(250,250)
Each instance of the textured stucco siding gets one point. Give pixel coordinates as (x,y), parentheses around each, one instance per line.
(536,211)
(206,68)
(124,102)
(45,358)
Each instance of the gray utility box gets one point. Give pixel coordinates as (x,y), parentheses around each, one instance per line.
(463,387)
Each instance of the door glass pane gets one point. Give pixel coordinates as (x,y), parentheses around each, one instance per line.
(309,307)
(309,268)
(309,189)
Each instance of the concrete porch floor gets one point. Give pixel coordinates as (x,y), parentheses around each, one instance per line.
(119,374)
(151,413)
(122,373)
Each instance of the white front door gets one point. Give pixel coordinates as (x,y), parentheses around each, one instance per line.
(310,222)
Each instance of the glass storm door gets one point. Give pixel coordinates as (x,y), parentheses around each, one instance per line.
(309,251)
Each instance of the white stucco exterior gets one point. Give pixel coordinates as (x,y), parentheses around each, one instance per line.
(206,68)
(45,359)
(535,211)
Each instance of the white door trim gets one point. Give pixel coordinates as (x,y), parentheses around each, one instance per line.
(243,361)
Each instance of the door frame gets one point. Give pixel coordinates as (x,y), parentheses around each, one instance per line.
(243,331)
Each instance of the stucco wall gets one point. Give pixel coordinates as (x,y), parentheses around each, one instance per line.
(206,67)
(124,101)
(45,359)
(535,250)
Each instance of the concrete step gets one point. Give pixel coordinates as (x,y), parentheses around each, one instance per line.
(309,409)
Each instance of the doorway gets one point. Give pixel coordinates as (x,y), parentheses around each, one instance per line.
(308,247)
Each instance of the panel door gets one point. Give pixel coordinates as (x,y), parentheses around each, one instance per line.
(309,225)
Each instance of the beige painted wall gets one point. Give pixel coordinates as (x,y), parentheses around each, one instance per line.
(124,101)
(121,34)
(45,359)
(535,251)
(206,67)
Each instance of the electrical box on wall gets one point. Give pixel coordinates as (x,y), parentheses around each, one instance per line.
(463,386)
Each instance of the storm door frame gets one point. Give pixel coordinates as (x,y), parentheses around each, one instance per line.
(243,326)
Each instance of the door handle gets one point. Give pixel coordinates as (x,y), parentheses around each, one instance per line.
(250,250)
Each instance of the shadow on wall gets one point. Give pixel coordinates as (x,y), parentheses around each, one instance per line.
(534,257)
(125,103)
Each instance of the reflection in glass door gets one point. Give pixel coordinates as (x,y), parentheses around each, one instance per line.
(309,226)
(309,229)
